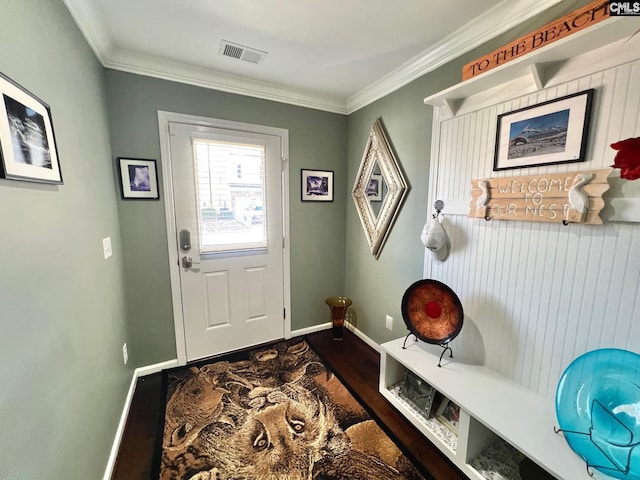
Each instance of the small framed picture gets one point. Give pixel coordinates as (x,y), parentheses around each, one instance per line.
(27,144)
(138,178)
(374,188)
(419,392)
(448,414)
(545,134)
(317,185)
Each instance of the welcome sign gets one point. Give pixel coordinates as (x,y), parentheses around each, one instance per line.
(574,197)
(577,20)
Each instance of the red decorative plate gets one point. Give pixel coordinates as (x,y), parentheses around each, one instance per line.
(432,311)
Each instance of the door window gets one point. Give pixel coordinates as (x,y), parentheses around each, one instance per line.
(230,191)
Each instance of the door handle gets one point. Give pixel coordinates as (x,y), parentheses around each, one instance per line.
(187,262)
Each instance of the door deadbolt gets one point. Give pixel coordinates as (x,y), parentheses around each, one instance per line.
(184,238)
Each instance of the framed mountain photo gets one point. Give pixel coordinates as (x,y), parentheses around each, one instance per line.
(544,134)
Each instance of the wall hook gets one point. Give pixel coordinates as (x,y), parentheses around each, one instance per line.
(438,206)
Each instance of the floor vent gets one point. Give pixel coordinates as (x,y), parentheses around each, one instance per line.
(240,52)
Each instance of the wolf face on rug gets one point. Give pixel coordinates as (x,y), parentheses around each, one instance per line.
(278,414)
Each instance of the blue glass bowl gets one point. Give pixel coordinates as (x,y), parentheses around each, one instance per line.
(598,409)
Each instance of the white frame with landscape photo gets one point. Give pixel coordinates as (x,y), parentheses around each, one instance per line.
(141,185)
(27,143)
(312,194)
(571,112)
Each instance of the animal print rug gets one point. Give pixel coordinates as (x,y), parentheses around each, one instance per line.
(276,413)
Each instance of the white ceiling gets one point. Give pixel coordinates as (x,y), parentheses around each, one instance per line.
(334,55)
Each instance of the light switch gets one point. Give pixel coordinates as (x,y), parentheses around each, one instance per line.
(389,322)
(106,246)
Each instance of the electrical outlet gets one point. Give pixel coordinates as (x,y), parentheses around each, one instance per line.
(106,247)
(125,354)
(389,322)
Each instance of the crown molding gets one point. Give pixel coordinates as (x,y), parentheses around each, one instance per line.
(493,22)
(158,67)
(91,27)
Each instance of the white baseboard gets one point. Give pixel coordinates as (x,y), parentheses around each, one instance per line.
(369,341)
(137,373)
(325,326)
(312,329)
(111,463)
(155,368)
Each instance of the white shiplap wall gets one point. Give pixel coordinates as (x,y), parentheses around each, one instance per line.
(538,295)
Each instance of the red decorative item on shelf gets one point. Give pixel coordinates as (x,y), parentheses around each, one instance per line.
(628,158)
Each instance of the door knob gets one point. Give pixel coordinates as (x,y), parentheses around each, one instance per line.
(187,262)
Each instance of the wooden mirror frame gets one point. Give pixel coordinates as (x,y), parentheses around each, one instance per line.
(378,149)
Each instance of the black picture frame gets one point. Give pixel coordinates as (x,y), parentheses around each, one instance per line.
(316,185)
(138,178)
(28,150)
(548,133)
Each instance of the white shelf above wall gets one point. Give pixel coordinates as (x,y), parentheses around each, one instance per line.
(532,69)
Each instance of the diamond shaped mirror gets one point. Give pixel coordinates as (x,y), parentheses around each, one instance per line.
(379,189)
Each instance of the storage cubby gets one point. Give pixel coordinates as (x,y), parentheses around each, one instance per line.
(446,436)
(500,461)
(500,422)
(489,456)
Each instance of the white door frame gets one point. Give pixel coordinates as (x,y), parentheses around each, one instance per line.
(170,215)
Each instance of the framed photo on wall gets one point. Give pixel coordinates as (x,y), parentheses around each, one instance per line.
(317,185)
(138,178)
(544,134)
(27,144)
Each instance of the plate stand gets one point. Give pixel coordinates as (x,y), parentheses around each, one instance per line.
(445,346)
(622,464)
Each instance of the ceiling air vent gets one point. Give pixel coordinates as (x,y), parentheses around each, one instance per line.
(240,52)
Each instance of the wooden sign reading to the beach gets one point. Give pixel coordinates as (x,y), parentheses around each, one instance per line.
(560,197)
(577,20)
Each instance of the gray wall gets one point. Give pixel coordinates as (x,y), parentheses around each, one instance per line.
(316,140)
(62,307)
(377,286)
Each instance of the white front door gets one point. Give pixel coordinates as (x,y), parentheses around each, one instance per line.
(228,200)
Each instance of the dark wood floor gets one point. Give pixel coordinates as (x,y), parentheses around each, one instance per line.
(354,362)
